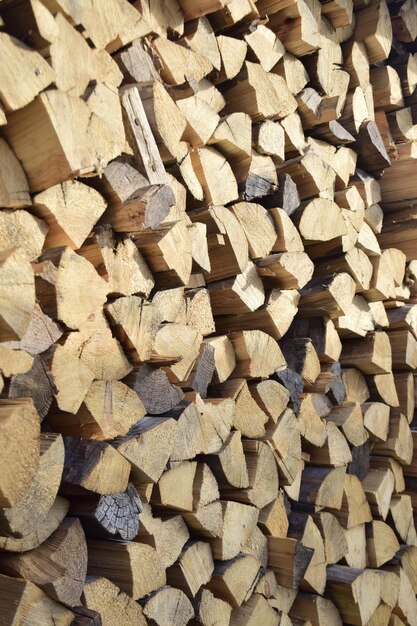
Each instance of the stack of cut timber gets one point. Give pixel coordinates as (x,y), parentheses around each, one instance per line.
(208,313)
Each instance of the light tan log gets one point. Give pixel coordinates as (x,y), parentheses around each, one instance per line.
(114,606)
(133,567)
(20,432)
(274,317)
(32,509)
(371,356)
(22,600)
(139,450)
(58,566)
(169,606)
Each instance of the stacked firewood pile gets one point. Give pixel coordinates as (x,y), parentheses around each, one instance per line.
(208,326)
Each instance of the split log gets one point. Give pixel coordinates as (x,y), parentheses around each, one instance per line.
(134,567)
(32,603)
(20,432)
(94,465)
(29,512)
(58,566)
(114,606)
(169,606)
(110,515)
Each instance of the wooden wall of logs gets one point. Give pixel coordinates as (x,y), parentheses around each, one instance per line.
(208,312)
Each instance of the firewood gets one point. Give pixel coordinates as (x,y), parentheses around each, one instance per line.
(229,465)
(200,172)
(169,606)
(348,416)
(108,410)
(335,544)
(271,397)
(63,209)
(404,384)
(94,465)
(355,592)
(145,380)
(168,536)
(20,519)
(31,603)
(249,417)
(233,53)
(14,362)
(179,63)
(40,335)
(312,175)
(242,294)
(316,608)
(310,420)
(53,107)
(114,606)
(399,443)
(403,346)
(381,462)
(381,543)
(334,452)
(387,88)
(269,139)
(224,357)
(258,228)
(232,137)
(289,560)
(63,281)
(138,447)
(302,357)
(206,521)
(375,30)
(201,120)
(355,385)
(134,324)
(193,569)
(376,417)
(378,486)
(22,230)
(257,354)
(18,300)
(401,511)
(303,528)
(330,295)
(184,342)
(35,72)
(288,270)
(355,508)
(383,389)
(232,580)
(20,464)
(274,317)
(260,94)
(110,515)
(231,256)
(263,477)
(371,149)
(239,520)
(119,262)
(233,13)
(273,519)
(355,262)
(371,356)
(147,207)
(330,382)
(322,333)
(189,438)
(58,566)
(212,609)
(199,37)
(133,567)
